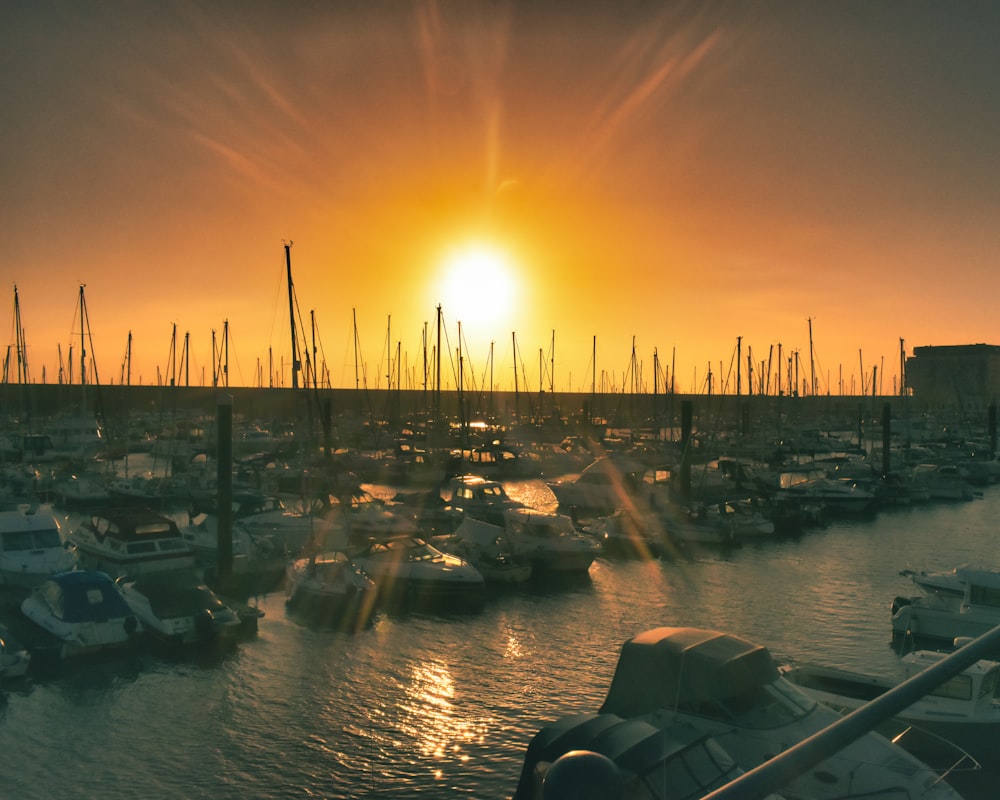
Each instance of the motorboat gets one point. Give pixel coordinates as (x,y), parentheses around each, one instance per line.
(945,616)
(410,571)
(603,486)
(488,548)
(730,690)
(83,611)
(550,541)
(178,608)
(844,496)
(14,656)
(963,711)
(329,590)
(942,481)
(130,542)
(476,496)
(31,548)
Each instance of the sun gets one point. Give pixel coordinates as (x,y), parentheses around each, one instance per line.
(478,286)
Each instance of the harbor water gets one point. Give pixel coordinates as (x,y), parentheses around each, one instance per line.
(443,705)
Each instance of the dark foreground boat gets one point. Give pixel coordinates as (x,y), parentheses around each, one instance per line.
(704,692)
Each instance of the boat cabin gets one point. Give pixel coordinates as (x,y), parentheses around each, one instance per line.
(703,673)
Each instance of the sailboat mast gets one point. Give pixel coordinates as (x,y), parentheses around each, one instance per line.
(83,353)
(291,316)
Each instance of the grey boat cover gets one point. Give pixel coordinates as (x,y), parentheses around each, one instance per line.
(683,668)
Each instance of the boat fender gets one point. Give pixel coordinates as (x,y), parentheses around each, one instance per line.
(131,625)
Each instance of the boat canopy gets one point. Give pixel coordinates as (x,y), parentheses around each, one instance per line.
(84,596)
(670,668)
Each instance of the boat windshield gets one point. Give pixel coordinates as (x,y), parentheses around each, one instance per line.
(771,705)
(31,540)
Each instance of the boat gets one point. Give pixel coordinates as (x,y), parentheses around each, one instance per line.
(257,558)
(329,590)
(603,486)
(550,541)
(410,571)
(31,548)
(730,690)
(476,496)
(83,611)
(487,547)
(945,615)
(179,609)
(839,496)
(130,542)
(963,711)
(942,481)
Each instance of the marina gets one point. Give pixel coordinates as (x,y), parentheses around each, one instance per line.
(445,702)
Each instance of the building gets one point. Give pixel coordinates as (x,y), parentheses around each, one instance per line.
(965,376)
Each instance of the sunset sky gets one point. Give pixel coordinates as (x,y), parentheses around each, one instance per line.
(577,177)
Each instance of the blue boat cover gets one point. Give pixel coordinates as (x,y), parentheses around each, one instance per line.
(90,596)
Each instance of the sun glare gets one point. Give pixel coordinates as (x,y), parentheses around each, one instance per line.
(479,287)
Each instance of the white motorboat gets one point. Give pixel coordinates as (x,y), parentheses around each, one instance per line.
(84,611)
(410,571)
(31,548)
(329,590)
(550,541)
(487,547)
(729,689)
(177,608)
(130,542)
(945,616)
(964,710)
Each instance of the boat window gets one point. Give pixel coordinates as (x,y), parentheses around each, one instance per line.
(172,544)
(52,593)
(17,540)
(957,688)
(152,528)
(142,547)
(47,538)
(769,706)
(95,596)
(983,595)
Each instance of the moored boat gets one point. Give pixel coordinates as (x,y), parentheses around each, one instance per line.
(729,689)
(409,571)
(179,609)
(327,589)
(31,548)
(83,611)
(963,711)
(943,615)
(130,542)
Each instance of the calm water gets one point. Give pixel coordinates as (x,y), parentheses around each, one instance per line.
(435,706)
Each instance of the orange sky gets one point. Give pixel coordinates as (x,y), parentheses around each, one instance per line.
(673,175)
